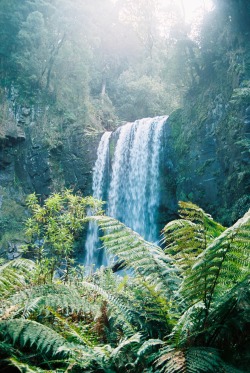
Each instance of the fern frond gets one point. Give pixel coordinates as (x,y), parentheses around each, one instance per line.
(187,325)
(27,368)
(223,264)
(186,238)
(190,211)
(171,361)
(147,351)
(6,349)
(230,315)
(146,259)
(15,274)
(148,309)
(122,310)
(74,332)
(190,360)
(124,344)
(184,241)
(203,360)
(148,345)
(54,296)
(31,334)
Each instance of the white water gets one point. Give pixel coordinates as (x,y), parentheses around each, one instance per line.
(93,253)
(133,190)
(133,194)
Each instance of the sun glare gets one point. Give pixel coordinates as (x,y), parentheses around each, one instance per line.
(194,8)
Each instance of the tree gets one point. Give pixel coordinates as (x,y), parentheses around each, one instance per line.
(12,14)
(164,318)
(54,228)
(141,96)
(32,49)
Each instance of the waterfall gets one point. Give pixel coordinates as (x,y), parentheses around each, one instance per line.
(94,255)
(133,194)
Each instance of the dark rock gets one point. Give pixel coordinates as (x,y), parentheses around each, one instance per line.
(13,251)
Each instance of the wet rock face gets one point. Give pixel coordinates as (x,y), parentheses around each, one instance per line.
(31,162)
(77,159)
(211,157)
(41,164)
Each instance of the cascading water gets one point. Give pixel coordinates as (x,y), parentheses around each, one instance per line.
(133,194)
(94,255)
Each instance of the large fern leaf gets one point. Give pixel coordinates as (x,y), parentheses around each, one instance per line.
(190,360)
(187,237)
(31,334)
(15,274)
(126,313)
(197,215)
(56,296)
(184,241)
(230,317)
(224,263)
(146,259)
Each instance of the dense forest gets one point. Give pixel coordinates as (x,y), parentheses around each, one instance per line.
(69,71)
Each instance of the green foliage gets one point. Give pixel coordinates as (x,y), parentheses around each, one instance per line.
(25,368)
(144,322)
(32,334)
(228,254)
(140,97)
(50,296)
(14,274)
(69,56)
(146,259)
(189,236)
(11,218)
(54,227)
(192,360)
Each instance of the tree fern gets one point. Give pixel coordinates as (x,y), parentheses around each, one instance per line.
(224,263)
(14,274)
(148,351)
(184,240)
(73,332)
(187,237)
(148,345)
(105,323)
(214,295)
(126,314)
(55,296)
(187,326)
(146,259)
(124,344)
(229,319)
(197,215)
(171,361)
(31,334)
(190,360)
